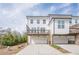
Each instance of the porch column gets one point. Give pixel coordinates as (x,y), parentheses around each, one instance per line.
(28,40)
(50,39)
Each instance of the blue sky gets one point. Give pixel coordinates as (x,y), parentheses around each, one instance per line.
(14,15)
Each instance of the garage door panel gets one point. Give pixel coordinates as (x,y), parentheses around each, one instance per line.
(60,39)
(38,40)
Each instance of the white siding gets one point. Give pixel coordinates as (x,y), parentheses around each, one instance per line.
(53,27)
(41,22)
(65,30)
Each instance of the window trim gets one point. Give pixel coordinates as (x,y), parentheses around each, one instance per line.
(31,21)
(61,24)
(70,21)
(38,21)
(76,21)
(44,21)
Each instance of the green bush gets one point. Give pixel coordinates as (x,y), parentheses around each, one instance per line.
(55,46)
(8,42)
(24,37)
(13,38)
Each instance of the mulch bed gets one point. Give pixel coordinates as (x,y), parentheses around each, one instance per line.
(11,50)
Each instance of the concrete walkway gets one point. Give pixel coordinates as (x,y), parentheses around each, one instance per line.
(39,50)
(73,48)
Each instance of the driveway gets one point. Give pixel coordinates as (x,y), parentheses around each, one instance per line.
(39,50)
(74,49)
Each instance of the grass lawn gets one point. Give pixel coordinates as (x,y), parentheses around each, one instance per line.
(60,49)
(12,50)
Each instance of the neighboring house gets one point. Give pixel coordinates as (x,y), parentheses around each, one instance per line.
(52,29)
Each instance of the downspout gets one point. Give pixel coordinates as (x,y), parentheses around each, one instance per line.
(54,26)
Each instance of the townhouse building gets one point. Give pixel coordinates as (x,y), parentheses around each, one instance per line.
(53,29)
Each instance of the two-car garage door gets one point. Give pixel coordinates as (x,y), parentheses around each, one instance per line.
(38,40)
(60,39)
(63,39)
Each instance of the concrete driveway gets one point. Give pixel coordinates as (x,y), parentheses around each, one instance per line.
(39,50)
(74,49)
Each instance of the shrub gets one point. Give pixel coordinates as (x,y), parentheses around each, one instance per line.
(13,38)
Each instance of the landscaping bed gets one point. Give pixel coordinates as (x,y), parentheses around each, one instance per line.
(10,50)
(60,49)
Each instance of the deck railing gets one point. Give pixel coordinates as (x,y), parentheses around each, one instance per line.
(37,32)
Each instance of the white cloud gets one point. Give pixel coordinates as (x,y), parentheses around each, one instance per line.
(64,5)
(78,10)
(61,7)
(53,8)
(67,11)
(15,18)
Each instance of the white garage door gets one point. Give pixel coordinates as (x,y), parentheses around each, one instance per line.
(38,40)
(60,39)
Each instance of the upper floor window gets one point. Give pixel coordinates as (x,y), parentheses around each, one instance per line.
(44,21)
(31,21)
(70,21)
(76,21)
(38,21)
(38,29)
(33,29)
(61,24)
(42,29)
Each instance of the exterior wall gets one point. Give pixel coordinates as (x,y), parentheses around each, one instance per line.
(65,30)
(73,20)
(53,27)
(35,18)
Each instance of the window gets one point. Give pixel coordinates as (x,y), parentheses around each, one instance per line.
(70,21)
(31,21)
(37,29)
(61,24)
(75,21)
(42,29)
(38,21)
(33,29)
(44,21)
